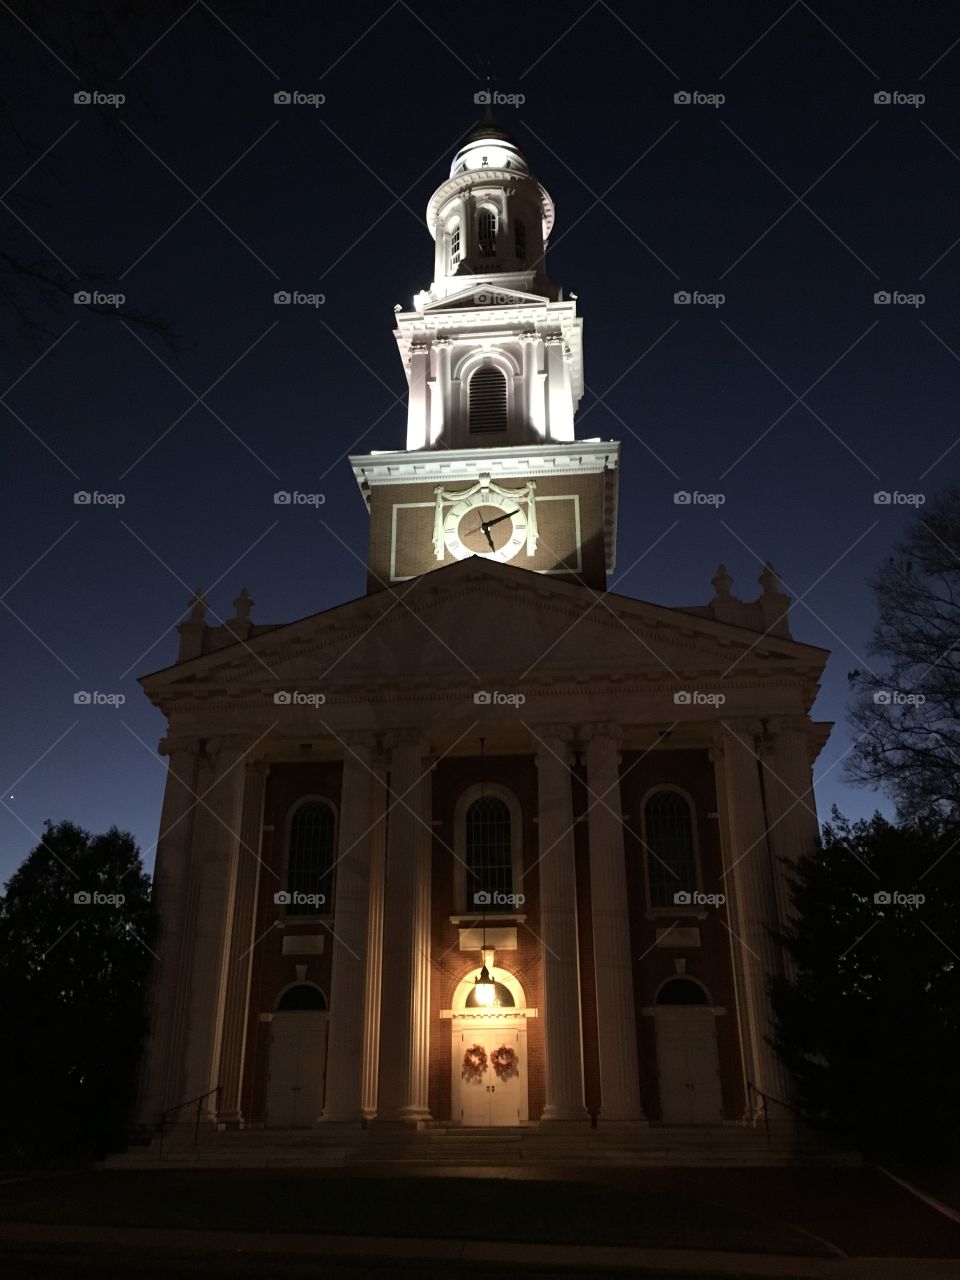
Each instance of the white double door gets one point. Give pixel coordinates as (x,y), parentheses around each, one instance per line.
(688,1065)
(488,1098)
(298,1061)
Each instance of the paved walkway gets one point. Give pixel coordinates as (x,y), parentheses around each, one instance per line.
(225,1246)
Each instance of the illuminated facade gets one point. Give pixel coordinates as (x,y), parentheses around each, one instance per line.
(489,767)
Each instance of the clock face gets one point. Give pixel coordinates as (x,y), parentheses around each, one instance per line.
(471,525)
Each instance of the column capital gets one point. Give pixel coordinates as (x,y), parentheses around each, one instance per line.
(357,740)
(227,744)
(395,738)
(737,728)
(600,731)
(173,744)
(551,738)
(777,725)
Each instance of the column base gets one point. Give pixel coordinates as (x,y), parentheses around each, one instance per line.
(230,1120)
(567,1115)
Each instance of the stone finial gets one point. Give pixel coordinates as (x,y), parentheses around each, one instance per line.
(242,606)
(769,580)
(722,582)
(197,604)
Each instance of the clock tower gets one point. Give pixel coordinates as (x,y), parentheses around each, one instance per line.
(493,354)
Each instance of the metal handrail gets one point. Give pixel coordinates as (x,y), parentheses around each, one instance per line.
(788,1106)
(179,1107)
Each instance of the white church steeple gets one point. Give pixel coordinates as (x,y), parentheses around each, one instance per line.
(493,352)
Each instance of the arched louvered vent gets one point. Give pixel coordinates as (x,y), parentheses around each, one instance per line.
(488,400)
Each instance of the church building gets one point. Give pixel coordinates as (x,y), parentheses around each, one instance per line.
(492,845)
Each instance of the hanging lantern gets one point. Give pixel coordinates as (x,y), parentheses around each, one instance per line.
(484,988)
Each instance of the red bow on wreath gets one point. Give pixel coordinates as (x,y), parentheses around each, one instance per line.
(475,1062)
(504,1062)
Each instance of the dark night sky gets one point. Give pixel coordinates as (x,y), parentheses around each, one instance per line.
(798,198)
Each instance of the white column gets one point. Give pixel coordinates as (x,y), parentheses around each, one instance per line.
(215,851)
(533,412)
(792,811)
(613,960)
(563,1057)
(162,1057)
(372,979)
(241,943)
(751,895)
(558,412)
(344,1091)
(417,410)
(440,390)
(405,997)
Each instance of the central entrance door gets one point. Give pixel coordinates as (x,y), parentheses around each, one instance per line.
(688,1065)
(492,1076)
(298,1052)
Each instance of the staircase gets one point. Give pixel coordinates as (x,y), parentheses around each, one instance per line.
(452,1146)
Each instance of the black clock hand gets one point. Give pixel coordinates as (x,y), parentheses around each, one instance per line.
(486,534)
(509,516)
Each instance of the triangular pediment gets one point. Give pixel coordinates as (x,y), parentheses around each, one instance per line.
(476,624)
(486,295)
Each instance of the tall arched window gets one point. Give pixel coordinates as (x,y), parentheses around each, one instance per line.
(489,855)
(669,848)
(488,400)
(520,240)
(310,860)
(454,244)
(487,233)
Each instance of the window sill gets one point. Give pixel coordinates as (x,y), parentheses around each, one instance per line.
(492,918)
(672,913)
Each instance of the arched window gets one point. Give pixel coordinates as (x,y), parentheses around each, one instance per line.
(670,850)
(488,400)
(489,855)
(487,233)
(682,991)
(301,996)
(520,240)
(310,860)
(454,244)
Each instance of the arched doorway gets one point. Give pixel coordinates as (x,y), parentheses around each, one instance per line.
(298,1058)
(489,1054)
(687,1060)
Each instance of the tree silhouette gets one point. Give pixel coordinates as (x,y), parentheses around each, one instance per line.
(75,938)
